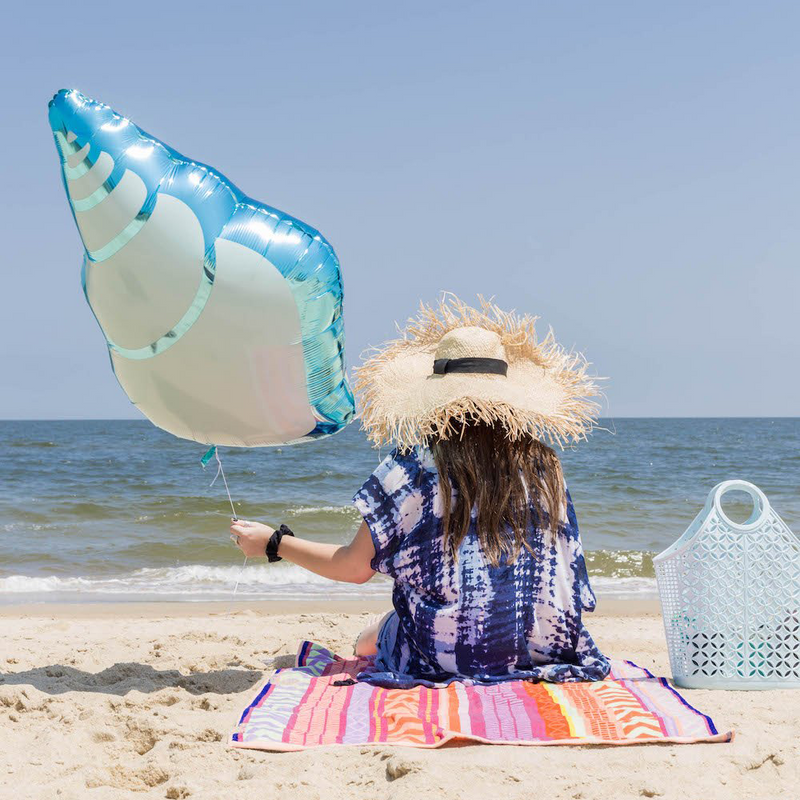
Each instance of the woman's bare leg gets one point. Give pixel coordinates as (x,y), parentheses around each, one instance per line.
(367,642)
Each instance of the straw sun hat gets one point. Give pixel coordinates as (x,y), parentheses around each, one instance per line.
(454,363)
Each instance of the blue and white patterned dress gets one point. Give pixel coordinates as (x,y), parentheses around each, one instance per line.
(471,621)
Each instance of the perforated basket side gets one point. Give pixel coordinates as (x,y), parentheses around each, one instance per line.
(730,598)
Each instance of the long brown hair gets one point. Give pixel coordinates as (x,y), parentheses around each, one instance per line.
(506,481)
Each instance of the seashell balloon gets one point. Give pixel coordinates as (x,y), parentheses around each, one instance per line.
(223,316)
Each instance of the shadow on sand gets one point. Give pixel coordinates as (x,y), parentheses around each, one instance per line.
(123,678)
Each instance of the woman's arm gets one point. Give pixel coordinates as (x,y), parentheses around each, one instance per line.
(349,563)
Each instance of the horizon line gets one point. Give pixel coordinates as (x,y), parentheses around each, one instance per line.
(630,416)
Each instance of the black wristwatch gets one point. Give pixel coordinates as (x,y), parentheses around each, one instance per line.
(274,543)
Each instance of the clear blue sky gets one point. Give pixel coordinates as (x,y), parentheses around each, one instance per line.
(628,171)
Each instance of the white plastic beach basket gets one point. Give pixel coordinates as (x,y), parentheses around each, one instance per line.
(730,598)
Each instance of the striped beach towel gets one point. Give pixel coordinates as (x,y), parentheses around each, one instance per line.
(319,702)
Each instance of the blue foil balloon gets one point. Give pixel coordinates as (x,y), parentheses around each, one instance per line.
(223,316)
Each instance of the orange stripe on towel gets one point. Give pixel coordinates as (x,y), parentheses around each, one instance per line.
(403,712)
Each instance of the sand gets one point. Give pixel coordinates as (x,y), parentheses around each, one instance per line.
(137,700)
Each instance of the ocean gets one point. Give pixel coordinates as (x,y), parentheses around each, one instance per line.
(119,510)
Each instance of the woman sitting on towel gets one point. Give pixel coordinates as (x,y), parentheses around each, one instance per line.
(469,514)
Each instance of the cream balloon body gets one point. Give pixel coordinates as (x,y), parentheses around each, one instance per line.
(223,316)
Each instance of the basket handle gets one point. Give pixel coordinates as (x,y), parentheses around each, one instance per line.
(761,507)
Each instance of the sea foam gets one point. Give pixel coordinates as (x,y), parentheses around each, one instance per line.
(199,581)
(194,580)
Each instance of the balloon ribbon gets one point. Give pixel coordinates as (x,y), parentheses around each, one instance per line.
(212,453)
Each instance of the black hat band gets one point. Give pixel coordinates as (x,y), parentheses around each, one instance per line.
(490,366)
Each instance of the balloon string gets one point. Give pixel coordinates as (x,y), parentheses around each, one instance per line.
(221,471)
(239,576)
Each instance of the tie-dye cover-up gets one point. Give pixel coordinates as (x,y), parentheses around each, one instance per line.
(469,620)
(319,702)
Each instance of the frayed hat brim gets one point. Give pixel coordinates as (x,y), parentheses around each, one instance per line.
(547,393)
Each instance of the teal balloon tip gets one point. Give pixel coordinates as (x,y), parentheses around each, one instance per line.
(209,455)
